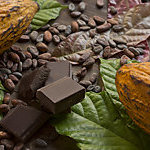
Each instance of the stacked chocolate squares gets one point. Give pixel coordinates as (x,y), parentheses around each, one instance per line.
(53,87)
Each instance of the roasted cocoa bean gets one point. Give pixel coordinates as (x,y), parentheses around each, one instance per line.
(21,55)
(42,62)
(4,108)
(97,49)
(45,56)
(17,74)
(103,28)
(5,71)
(74,26)
(102,42)
(27,64)
(61,28)
(134,51)
(5,57)
(100,3)
(13,78)
(99,20)
(81,22)
(112,43)
(24,38)
(20,66)
(40,38)
(92,23)
(128,53)
(53,30)
(83,72)
(28,54)
(72,7)
(42,47)
(84,17)
(46,27)
(68,30)
(121,46)
(92,33)
(75,14)
(106,52)
(34,35)
(14,57)
(15,48)
(62,37)
(47,36)
(112,21)
(82,6)
(33,50)
(56,39)
(6,98)
(9,85)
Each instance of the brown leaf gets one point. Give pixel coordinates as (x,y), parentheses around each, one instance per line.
(136,22)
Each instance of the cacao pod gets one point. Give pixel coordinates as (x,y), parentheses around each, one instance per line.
(133,86)
(15,17)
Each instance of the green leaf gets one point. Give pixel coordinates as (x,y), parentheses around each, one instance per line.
(49,9)
(96,125)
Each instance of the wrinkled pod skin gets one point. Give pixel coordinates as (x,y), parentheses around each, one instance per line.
(15,17)
(133,86)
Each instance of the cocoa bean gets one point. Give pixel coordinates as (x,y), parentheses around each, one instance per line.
(117,28)
(46,27)
(9,85)
(42,47)
(15,48)
(81,22)
(42,62)
(33,50)
(4,108)
(112,43)
(103,42)
(113,10)
(34,35)
(82,6)
(15,67)
(21,55)
(56,39)
(5,56)
(106,52)
(5,71)
(45,56)
(9,64)
(134,51)
(93,78)
(72,7)
(20,66)
(85,28)
(84,17)
(47,36)
(99,20)
(68,30)
(40,38)
(100,3)
(74,26)
(128,53)
(92,33)
(61,28)
(62,37)
(103,28)
(6,98)
(34,63)
(14,57)
(97,49)
(27,64)
(83,72)
(53,30)
(112,21)
(92,23)
(24,38)
(121,46)
(17,74)
(85,83)
(28,54)
(13,78)
(75,14)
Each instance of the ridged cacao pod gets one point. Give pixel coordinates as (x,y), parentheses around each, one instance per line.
(133,86)
(15,17)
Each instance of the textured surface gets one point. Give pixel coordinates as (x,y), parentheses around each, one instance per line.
(133,83)
(15,17)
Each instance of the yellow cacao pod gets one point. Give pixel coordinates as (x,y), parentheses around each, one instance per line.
(133,86)
(15,17)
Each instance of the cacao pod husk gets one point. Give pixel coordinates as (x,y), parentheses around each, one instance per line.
(15,17)
(133,86)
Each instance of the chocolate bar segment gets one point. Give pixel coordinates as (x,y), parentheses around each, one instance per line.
(58,71)
(60,95)
(31,82)
(23,121)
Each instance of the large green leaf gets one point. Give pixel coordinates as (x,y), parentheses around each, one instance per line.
(96,125)
(49,9)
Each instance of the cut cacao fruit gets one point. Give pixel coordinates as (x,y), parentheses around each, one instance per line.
(15,17)
(133,86)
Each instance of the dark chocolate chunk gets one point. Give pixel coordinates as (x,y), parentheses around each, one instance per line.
(58,71)
(23,121)
(31,82)
(60,95)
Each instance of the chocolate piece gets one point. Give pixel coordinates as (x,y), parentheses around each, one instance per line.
(60,95)
(23,121)
(58,71)
(31,82)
